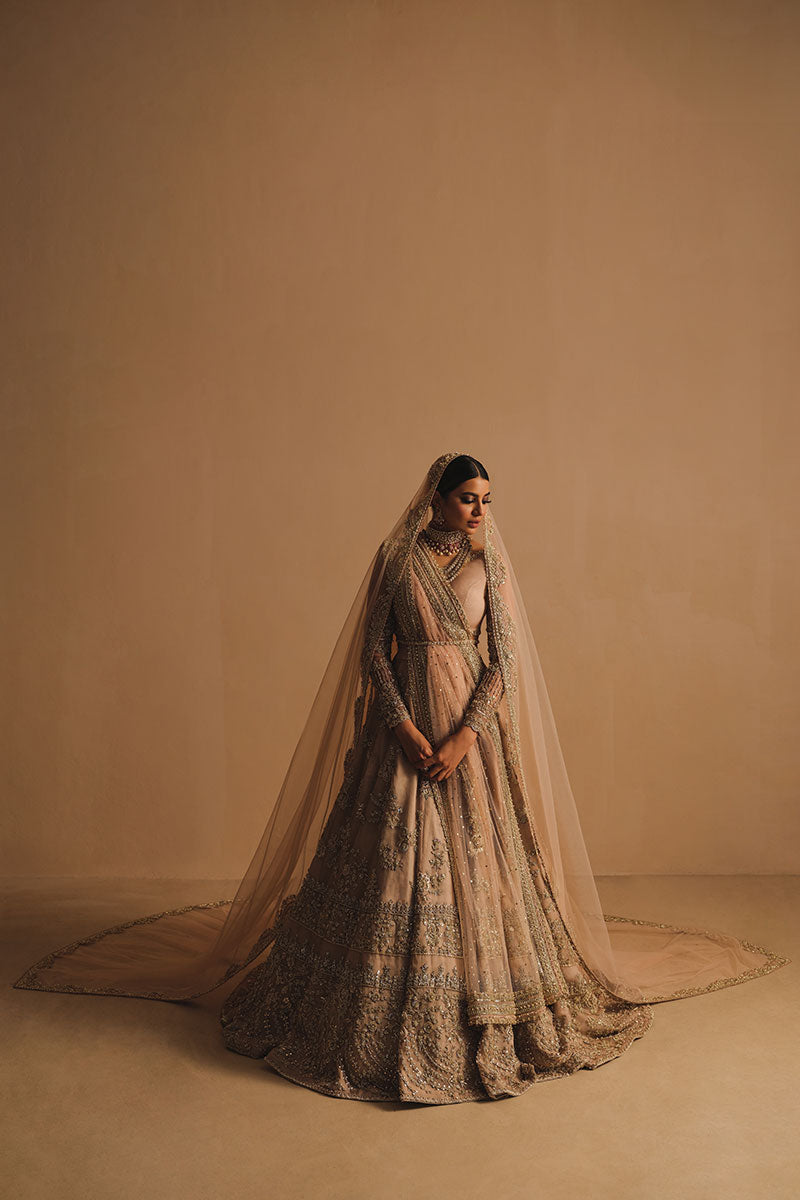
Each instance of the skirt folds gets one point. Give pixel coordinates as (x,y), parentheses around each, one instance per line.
(367,993)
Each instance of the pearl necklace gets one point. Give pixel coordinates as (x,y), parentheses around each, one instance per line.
(445,541)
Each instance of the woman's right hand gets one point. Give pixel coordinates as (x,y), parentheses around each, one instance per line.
(416,746)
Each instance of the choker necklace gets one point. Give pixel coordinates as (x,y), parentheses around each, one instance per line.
(445,541)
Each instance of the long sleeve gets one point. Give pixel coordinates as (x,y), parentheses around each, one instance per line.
(489,690)
(390,699)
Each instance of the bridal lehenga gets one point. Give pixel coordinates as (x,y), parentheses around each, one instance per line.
(406,938)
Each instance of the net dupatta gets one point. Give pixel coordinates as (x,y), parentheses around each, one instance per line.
(184,953)
(639,961)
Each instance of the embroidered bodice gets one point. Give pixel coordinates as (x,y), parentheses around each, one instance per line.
(466,576)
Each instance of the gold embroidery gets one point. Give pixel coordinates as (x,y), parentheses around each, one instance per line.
(373,925)
(392,560)
(432,881)
(391,858)
(30,979)
(389,696)
(773,960)
(475,844)
(485,699)
(367,1031)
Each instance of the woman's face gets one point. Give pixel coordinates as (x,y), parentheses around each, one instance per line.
(465,506)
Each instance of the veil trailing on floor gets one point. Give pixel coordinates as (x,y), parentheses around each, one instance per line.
(184,953)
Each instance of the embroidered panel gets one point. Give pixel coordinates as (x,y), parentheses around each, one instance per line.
(351,1029)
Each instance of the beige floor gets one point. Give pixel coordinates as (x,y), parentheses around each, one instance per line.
(126,1099)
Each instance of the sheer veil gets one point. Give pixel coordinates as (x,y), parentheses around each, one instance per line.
(184,953)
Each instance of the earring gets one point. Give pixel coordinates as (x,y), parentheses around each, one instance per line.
(437,520)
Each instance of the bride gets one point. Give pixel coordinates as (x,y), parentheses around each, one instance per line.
(420,919)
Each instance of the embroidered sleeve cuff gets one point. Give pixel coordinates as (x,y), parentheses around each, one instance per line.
(390,700)
(486,697)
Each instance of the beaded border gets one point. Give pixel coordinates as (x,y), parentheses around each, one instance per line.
(774,961)
(30,977)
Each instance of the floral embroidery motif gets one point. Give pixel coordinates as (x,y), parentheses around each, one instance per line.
(431,882)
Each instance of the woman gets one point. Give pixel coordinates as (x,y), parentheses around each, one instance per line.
(420,920)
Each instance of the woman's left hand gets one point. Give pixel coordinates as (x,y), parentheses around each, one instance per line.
(444,760)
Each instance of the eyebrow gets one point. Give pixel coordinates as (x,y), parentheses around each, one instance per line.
(485,494)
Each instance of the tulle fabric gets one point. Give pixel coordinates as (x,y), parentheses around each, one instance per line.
(508,814)
(641,961)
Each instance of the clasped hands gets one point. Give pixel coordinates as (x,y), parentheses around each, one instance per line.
(435,764)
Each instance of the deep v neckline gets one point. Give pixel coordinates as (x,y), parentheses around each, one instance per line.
(469,554)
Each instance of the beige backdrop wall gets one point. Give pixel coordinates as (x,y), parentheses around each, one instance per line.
(263,263)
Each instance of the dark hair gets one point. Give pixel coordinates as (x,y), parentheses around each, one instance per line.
(457,470)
